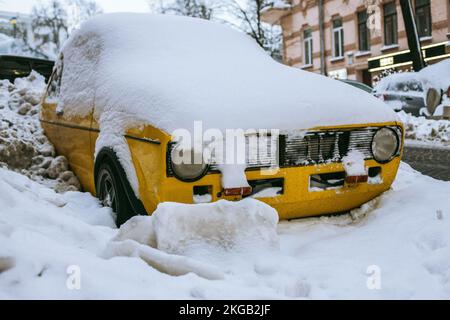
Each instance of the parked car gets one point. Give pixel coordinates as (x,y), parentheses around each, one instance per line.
(424,93)
(12,67)
(358,85)
(126,85)
(436,81)
(402,91)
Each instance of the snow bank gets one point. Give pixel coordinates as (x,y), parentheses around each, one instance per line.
(170,71)
(425,130)
(223,225)
(400,238)
(23,145)
(192,230)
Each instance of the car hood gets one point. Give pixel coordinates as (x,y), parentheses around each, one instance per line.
(172,71)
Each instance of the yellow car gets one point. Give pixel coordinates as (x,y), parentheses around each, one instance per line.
(126,84)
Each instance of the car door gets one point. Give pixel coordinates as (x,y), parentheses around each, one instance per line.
(69,134)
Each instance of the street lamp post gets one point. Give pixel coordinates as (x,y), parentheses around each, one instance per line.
(13,21)
(412,35)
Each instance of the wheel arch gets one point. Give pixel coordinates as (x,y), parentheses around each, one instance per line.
(107,154)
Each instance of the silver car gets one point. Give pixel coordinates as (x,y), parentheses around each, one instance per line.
(402,91)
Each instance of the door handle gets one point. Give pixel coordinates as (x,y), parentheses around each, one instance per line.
(59,112)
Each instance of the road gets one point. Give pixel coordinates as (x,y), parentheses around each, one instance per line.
(433,162)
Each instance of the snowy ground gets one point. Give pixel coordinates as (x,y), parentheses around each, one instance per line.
(23,145)
(420,130)
(398,244)
(402,237)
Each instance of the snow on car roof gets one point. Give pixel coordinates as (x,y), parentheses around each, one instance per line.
(436,75)
(170,71)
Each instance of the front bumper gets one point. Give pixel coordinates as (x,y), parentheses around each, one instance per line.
(298,199)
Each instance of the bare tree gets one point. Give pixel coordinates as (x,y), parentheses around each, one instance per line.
(50,23)
(244,15)
(81,10)
(203,9)
(247,17)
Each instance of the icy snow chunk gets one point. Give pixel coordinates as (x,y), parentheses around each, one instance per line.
(139,229)
(223,225)
(233,176)
(354,163)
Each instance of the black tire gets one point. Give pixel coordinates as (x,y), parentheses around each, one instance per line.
(112,194)
(108,173)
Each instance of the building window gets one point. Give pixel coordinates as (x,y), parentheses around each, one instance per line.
(338,38)
(390,23)
(423,18)
(363,32)
(307,47)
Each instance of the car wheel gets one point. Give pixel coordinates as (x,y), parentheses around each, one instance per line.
(112,194)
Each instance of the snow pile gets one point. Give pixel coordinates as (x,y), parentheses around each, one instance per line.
(394,247)
(205,232)
(437,75)
(229,226)
(354,163)
(172,78)
(425,130)
(23,145)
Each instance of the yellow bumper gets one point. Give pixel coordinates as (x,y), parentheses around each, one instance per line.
(297,199)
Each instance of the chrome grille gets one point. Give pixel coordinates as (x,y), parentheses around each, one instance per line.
(314,147)
(325,146)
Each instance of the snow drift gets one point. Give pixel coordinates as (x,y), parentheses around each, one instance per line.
(403,234)
(170,71)
(23,145)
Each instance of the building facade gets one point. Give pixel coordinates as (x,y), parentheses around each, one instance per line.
(361,38)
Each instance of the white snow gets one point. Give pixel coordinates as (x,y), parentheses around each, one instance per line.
(420,129)
(23,145)
(403,235)
(170,71)
(354,163)
(233,176)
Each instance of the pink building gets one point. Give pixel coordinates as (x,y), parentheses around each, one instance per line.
(361,37)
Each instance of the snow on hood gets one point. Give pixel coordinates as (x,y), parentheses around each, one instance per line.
(170,71)
(437,75)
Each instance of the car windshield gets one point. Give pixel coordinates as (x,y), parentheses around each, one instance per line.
(406,86)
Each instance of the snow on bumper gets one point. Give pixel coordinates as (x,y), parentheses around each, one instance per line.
(296,198)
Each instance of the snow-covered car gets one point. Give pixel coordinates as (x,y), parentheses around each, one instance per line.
(420,93)
(125,83)
(401,91)
(359,85)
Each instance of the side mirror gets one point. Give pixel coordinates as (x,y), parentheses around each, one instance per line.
(433,99)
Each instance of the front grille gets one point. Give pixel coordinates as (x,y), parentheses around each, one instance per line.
(311,148)
(325,146)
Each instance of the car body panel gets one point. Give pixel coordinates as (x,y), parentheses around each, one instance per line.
(71,138)
(75,138)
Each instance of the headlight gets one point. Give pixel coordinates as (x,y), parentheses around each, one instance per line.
(187,164)
(385,144)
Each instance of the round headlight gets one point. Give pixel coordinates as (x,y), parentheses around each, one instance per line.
(187,164)
(385,144)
